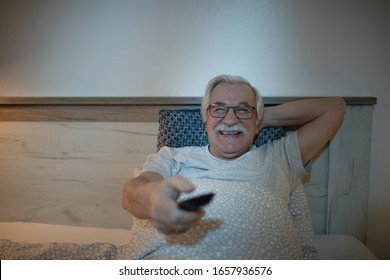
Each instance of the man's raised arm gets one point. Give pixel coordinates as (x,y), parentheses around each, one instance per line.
(318,121)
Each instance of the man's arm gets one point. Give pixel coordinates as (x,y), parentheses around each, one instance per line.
(137,194)
(151,196)
(318,121)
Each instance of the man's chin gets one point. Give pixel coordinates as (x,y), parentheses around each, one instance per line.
(230,153)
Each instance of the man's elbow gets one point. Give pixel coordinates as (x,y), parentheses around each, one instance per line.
(339,105)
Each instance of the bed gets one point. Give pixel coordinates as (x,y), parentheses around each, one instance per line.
(70,187)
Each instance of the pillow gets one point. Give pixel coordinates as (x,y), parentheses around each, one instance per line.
(181,128)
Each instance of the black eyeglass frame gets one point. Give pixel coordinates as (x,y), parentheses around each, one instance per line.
(252,109)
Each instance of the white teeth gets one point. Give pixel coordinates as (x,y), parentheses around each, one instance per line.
(236,129)
(230,132)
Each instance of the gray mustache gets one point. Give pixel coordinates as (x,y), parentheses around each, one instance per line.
(236,127)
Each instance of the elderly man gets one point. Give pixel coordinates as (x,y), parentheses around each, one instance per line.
(233,114)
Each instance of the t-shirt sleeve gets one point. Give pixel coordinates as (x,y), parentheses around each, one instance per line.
(290,160)
(161,162)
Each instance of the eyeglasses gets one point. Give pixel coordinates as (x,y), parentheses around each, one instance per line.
(241,112)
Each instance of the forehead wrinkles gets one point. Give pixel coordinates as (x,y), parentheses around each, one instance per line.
(233,94)
(223,104)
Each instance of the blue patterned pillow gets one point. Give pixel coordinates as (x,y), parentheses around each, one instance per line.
(180,128)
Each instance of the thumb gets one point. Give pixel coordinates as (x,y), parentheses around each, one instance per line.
(180,184)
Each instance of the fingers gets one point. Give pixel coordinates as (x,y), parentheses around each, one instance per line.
(180,184)
(176,220)
(180,222)
(165,213)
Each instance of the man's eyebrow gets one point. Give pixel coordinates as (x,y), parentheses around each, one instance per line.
(243,103)
(219,104)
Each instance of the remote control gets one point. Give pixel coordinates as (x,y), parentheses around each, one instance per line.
(195,203)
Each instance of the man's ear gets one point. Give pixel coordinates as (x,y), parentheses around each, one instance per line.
(259,127)
(204,125)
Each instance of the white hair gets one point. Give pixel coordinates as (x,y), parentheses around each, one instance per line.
(231,80)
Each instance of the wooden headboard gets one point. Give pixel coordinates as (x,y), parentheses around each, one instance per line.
(65,160)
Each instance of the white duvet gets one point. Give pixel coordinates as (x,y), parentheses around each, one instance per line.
(242,222)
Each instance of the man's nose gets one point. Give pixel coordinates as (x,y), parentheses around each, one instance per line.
(230,118)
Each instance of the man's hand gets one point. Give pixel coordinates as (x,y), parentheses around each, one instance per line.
(149,196)
(164,212)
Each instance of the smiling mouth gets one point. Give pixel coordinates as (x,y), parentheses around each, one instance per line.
(228,133)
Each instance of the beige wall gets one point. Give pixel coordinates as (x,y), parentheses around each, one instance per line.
(172,48)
